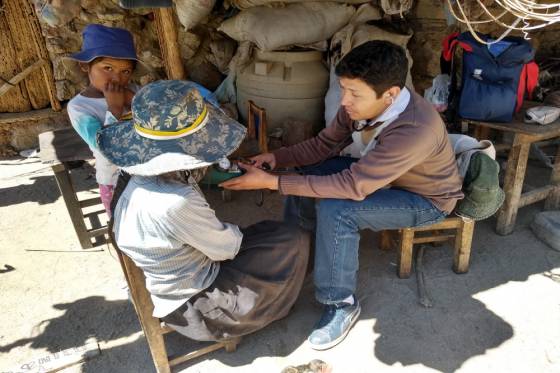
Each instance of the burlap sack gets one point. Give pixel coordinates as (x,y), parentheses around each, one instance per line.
(396,6)
(245,4)
(300,23)
(192,12)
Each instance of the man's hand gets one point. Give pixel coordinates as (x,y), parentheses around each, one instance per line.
(268,158)
(254,178)
(117,97)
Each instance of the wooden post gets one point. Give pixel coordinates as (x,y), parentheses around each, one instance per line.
(553,200)
(20,76)
(41,51)
(168,42)
(144,308)
(64,182)
(463,243)
(405,252)
(513,183)
(386,240)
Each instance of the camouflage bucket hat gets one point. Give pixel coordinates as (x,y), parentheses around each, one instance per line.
(172,129)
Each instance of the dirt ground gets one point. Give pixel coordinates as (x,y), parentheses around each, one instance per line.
(502,316)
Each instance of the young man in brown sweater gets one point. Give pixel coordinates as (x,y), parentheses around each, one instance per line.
(402,173)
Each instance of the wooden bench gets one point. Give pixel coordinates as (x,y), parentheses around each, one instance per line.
(154,329)
(58,149)
(524,135)
(455,228)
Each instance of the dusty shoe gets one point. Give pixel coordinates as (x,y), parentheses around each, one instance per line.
(335,323)
(314,366)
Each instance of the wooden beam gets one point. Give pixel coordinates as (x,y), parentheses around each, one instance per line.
(535,195)
(4,88)
(168,42)
(430,239)
(9,118)
(229,346)
(41,50)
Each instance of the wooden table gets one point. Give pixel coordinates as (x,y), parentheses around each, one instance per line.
(524,136)
(58,148)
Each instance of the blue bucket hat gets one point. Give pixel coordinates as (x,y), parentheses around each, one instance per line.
(172,128)
(103,41)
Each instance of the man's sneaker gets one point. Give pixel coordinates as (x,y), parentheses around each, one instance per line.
(335,323)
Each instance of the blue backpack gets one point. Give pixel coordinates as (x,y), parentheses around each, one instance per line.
(495,77)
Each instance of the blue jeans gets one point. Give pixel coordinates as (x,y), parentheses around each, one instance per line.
(338,222)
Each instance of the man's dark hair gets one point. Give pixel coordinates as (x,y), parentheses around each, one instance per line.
(380,64)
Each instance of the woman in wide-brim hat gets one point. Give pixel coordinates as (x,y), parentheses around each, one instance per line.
(208,280)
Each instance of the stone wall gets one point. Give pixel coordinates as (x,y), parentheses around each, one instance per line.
(62,29)
(207,52)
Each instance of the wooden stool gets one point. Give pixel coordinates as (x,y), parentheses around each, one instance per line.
(58,148)
(462,235)
(153,328)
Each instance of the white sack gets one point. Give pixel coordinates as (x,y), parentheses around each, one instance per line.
(300,23)
(192,12)
(245,4)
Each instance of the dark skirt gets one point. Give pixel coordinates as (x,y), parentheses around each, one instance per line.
(257,287)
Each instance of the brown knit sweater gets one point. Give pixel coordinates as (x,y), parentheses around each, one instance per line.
(412,153)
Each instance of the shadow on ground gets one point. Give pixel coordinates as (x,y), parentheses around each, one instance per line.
(85,318)
(457,328)
(44,189)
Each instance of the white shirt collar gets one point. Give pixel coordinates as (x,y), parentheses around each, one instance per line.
(394,110)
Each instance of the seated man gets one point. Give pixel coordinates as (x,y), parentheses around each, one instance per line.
(403,174)
(208,280)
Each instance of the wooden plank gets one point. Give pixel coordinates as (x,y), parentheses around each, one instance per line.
(429,239)
(229,346)
(41,48)
(168,42)
(541,132)
(405,253)
(386,240)
(16,100)
(94,213)
(513,183)
(26,53)
(463,243)
(553,200)
(447,223)
(69,195)
(20,76)
(535,195)
(63,145)
(97,232)
(32,115)
(90,202)
(482,133)
(144,308)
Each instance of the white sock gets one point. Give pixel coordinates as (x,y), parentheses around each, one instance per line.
(349,300)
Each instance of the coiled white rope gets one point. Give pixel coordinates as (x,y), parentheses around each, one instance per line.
(530,14)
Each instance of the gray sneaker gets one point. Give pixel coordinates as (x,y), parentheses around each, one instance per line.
(335,323)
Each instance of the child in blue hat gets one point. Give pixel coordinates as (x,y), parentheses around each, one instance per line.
(109,58)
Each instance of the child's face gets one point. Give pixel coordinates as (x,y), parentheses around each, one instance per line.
(106,70)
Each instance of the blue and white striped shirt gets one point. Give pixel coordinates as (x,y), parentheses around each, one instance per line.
(172,234)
